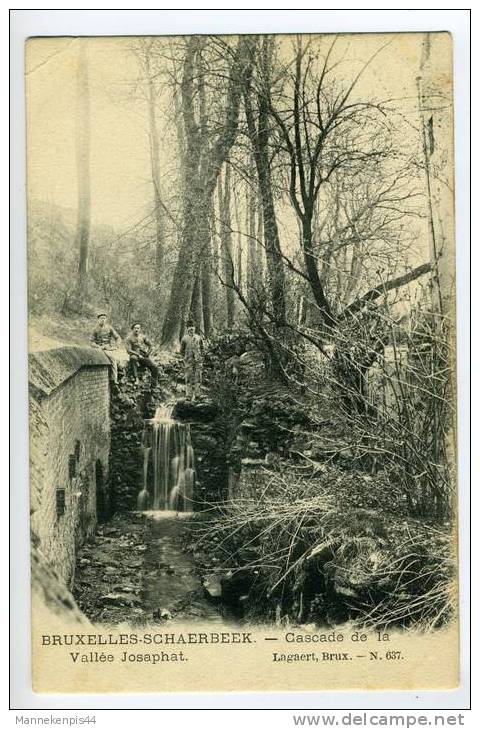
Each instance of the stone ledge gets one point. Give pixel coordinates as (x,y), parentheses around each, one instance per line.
(48,369)
(201,411)
(254,463)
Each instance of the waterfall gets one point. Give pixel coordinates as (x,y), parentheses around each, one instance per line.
(143,498)
(167,444)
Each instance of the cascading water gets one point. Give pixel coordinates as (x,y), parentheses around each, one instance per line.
(173,464)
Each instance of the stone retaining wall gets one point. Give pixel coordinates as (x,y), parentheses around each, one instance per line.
(69,450)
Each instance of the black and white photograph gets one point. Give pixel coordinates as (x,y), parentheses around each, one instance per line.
(242,362)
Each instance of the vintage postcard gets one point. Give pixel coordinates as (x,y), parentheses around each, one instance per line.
(243,471)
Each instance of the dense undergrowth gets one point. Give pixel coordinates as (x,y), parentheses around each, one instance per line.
(329,539)
(327,551)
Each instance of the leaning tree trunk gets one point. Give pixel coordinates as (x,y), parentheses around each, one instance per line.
(83,172)
(203,161)
(184,274)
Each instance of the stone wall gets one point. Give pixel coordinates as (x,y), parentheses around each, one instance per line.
(128,410)
(208,441)
(69,450)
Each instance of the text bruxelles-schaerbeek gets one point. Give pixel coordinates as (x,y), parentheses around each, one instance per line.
(104,640)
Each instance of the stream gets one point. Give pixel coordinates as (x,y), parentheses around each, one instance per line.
(136,570)
(138,567)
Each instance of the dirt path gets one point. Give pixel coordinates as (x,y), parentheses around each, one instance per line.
(135,570)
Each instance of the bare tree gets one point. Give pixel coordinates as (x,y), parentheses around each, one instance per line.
(324,131)
(363,228)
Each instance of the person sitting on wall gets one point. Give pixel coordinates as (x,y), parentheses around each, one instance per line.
(139,348)
(191,349)
(105,337)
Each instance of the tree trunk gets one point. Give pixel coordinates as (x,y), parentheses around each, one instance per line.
(239,244)
(207,297)
(203,162)
(196,305)
(185,270)
(238,263)
(250,221)
(259,136)
(275,270)
(216,247)
(83,171)
(155,165)
(227,252)
(260,248)
(312,273)
(277,334)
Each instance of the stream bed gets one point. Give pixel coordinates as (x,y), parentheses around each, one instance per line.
(135,570)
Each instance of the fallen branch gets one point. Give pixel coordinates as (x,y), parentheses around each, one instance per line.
(383,288)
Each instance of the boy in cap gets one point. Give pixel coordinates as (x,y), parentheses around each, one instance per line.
(105,337)
(139,347)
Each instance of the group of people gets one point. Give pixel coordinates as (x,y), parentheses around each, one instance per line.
(139,349)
